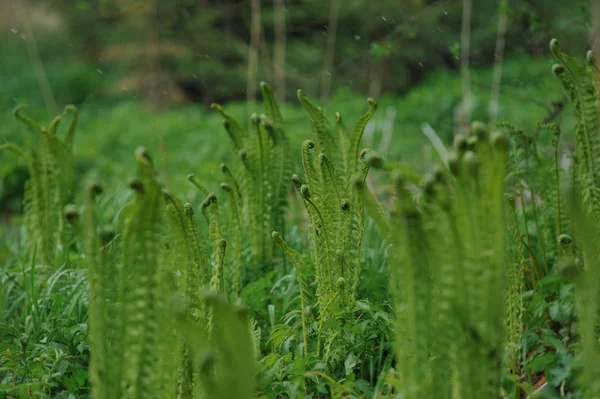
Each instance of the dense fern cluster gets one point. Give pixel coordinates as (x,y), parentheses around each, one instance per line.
(466,245)
(581,87)
(258,190)
(335,212)
(447,268)
(152,334)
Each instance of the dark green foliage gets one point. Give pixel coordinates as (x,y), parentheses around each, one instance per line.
(201,47)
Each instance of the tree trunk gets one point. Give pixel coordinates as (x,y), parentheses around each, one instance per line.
(334,12)
(279,56)
(464,111)
(253,53)
(498,61)
(595,34)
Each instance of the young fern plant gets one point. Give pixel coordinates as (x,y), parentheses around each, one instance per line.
(588,296)
(148,340)
(258,190)
(447,261)
(222,359)
(581,88)
(336,213)
(534,179)
(336,218)
(210,210)
(128,296)
(208,326)
(50,186)
(535,219)
(188,252)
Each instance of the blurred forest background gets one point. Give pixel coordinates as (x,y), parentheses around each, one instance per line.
(198,50)
(145,72)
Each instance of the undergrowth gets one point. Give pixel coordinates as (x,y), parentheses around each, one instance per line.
(491,262)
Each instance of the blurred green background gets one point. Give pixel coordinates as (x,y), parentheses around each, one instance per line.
(146,72)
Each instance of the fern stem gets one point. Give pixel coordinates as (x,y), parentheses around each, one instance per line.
(302,284)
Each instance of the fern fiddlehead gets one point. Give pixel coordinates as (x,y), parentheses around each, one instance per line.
(260,179)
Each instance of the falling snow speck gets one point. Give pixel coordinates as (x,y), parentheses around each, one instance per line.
(14,30)
(99,71)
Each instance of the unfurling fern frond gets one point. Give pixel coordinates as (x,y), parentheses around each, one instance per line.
(447,272)
(336,212)
(581,88)
(336,220)
(588,295)
(225,358)
(210,210)
(51,182)
(128,296)
(262,167)
(302,275)
(236,229)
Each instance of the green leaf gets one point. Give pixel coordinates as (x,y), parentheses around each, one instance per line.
(541,363)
